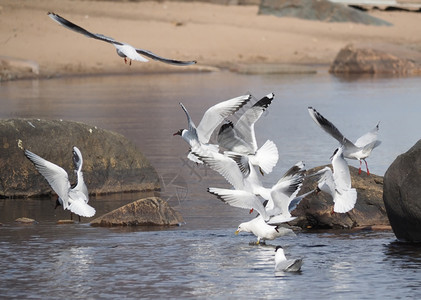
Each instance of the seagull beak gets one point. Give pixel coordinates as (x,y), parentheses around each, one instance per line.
(236,232)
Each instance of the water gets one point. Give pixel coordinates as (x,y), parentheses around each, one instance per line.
(203,258)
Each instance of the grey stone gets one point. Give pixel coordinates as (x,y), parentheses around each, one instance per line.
(111,163)
(402,194)
(152,211)
(322,10)
(315,211)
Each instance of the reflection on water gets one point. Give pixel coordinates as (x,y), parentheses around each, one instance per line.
(203,258)
(79,261)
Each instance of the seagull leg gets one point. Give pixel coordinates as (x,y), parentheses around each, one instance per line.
(366,165)
(359,170)
(130,63)
(261,171)
(125,60)
(251,211)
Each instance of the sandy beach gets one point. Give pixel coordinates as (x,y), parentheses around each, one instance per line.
(217,36)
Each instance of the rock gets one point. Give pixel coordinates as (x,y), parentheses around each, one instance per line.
(143,212)
(62,222)
(314,211)
(322,10)
(15,68)
(352,60)
(111,163)
(26,221)
(402,194)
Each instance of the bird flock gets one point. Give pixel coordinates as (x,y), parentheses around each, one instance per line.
(236,156)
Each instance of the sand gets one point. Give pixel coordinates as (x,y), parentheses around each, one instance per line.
(217,36)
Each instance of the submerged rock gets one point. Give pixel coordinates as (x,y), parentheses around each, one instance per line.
(111,163)
(144,212)
(25,220)
(322,10)
(402,194)
(315,210)
(356,60)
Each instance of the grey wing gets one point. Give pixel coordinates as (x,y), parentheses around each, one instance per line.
(218,113)
(225,166)
(56,176)
(240,199)
(294,202)
(192,126)
(228,139)
(327,126)
(165,60)
(245,125)
(69,25)
(368,138)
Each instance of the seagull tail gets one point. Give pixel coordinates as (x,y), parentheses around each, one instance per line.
(82,209)
(346,201)
(267,156)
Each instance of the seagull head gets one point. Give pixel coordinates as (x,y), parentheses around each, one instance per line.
(180,132)
(279,247)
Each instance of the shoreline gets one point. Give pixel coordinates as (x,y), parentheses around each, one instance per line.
(219,37)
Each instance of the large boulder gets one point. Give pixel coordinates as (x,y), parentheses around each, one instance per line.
(402,194)
(321,10)
(143,212)
(315,211)
(111,163)
(356,60)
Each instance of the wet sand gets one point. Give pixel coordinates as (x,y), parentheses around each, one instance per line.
(217,36)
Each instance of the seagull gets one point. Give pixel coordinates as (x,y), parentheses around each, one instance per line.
(198,137)
(359,150)
(241,138)
(284,264)
(262,230)
(279,197)
(338,183)
(73,198)
(123,50)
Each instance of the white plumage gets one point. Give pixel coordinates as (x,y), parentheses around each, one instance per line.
(74,198)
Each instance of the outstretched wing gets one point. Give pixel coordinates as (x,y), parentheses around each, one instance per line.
(245,125)
(165,60)
(69,25)
(327,126)
(216,114)
(369,137)
(56,176)
(241,199)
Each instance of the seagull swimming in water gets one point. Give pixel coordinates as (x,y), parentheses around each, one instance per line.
(198,137)
(73,198)
(338,183)
(123,50)
(359,150)
(284,264)
(241,138)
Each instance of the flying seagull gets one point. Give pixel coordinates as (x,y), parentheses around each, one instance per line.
(359,150)
(124,50)
(241,138)
(73,198)
(338,183)
(198,137)
(262,230)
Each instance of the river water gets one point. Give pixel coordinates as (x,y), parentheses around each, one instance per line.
(203,258)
